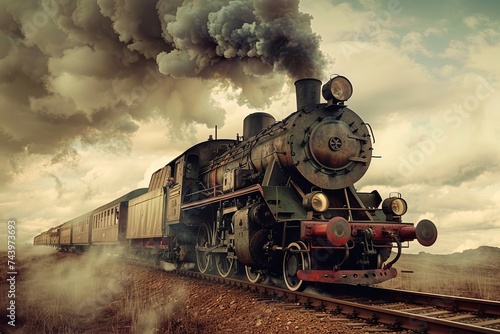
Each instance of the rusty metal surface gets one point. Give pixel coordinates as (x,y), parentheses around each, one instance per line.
(249,190)
(382,230)
(327,147)
(255,122)
(331,148)
(358,277)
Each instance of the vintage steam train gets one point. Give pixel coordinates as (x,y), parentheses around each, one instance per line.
(280,201)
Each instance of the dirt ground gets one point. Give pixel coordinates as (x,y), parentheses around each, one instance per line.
(69,293)
(99,293)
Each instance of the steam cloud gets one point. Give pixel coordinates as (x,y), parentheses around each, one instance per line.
(88,73)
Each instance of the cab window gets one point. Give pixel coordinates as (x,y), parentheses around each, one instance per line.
(192,164)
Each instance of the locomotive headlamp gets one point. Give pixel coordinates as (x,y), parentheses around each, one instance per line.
(316,201)
(337,89)
(394,206)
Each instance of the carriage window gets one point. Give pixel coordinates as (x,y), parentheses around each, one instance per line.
(192,162)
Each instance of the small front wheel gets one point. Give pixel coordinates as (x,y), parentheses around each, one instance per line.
(296,258)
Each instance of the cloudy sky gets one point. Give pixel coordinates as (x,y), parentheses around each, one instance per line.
(96,95)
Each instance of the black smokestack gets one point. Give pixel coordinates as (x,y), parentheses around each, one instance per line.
(307,92)
(89,73)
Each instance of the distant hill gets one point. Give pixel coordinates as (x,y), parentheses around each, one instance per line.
(484,255)
(482,251)
(471,273)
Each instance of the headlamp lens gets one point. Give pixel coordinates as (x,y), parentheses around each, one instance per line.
(316,201)
(341,88)
(394,206)
(319,202)
(398,206)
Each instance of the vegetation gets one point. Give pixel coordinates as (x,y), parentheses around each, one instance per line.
(472,273)
(64,293)
(92,294)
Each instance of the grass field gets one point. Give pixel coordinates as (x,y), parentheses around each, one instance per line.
(472,273)
(66,293)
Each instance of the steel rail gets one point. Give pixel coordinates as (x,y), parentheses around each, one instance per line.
(372,314)
(454,303)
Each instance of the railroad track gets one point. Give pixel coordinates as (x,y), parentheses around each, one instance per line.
(396,309)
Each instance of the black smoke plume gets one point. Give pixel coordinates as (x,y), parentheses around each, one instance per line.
(89,72)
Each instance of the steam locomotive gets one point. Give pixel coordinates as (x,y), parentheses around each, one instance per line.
(279,202)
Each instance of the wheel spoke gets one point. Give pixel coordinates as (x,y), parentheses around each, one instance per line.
(203,240)
(224,264)
(223,261)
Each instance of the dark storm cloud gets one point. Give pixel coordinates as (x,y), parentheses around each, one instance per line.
(88,72)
